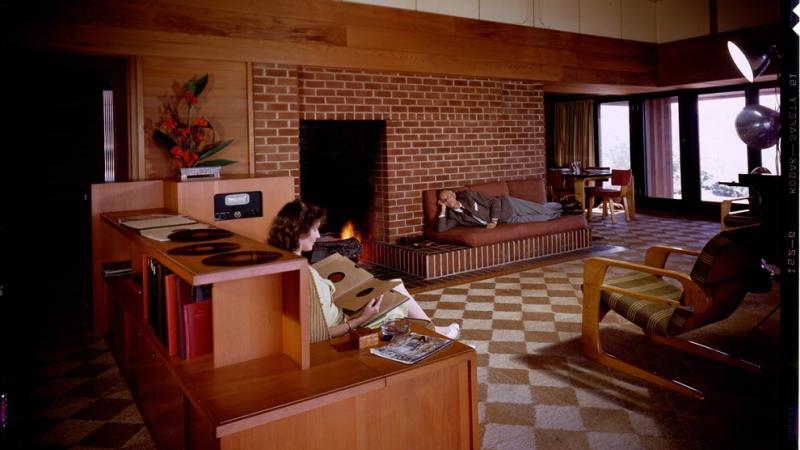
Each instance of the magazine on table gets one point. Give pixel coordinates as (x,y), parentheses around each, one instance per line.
(355,287)
(411,347)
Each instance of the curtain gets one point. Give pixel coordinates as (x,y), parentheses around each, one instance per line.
(574,133)
(658,141)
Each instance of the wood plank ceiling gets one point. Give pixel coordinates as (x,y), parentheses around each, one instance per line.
(348,35)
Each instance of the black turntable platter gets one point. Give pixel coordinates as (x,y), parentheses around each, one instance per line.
(199,235)
(244,258)
(204,249)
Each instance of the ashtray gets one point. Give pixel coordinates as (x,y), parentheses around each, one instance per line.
(392,328)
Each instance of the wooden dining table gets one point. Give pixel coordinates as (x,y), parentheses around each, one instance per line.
(581,179)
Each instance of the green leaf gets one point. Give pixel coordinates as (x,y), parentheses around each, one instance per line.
(200,85)
(214,148)
(163,139)
(214,163)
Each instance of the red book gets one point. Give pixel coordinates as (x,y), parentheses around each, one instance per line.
(197,317)
(171,282)
(185,295)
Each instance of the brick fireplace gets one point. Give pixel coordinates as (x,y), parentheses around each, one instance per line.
(441,131)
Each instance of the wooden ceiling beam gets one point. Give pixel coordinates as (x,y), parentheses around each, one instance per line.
(347,35)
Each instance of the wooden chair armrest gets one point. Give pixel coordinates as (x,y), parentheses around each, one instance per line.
(725,205)
(647,297)
(694,299)
(731,200)
(657,255)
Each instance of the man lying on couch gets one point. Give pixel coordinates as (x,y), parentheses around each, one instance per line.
(472,208)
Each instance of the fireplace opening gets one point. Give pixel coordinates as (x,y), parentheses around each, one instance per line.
(337,170)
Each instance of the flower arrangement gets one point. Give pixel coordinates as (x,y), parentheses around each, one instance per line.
(192,141)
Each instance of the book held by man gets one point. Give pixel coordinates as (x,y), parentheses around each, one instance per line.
(355,287)
(410,348)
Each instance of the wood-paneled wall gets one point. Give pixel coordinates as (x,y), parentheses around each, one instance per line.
(338,34)
(347,35)
(170,41)
(224,103)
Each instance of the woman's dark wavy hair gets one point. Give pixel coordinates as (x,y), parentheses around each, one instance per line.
(295,219)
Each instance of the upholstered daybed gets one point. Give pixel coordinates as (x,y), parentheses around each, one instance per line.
(566,233)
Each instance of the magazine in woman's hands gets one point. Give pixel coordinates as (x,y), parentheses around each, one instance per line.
(410,348)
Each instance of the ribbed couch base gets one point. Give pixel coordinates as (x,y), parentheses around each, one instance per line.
(437,260)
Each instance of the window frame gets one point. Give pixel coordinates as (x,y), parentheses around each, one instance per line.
(689,145)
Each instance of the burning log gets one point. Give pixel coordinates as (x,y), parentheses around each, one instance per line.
(326,246)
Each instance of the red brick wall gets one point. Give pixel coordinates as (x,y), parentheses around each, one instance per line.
(441,131)
(276,121)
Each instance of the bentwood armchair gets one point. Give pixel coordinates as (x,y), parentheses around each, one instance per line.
(719,280)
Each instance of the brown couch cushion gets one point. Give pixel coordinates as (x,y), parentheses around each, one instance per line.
(478,236)
(532,189)
(495,189)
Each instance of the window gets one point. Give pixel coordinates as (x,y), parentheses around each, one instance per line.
(723,156)
(108,135)
(662,148)
(614,135)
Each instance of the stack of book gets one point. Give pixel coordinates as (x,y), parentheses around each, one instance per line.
(179,313)
(115,268)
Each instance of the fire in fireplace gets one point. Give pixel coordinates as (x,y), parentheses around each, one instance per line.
(337,169)
(347,243)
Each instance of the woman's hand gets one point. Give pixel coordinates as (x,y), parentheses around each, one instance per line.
(368,312)
(371,310)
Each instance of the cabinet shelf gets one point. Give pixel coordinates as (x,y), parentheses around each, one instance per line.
(256,309)
(264,381)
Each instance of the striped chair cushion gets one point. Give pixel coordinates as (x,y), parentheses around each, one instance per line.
(652,317)
(701,272)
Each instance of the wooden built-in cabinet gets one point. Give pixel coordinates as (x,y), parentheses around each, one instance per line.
(265,385)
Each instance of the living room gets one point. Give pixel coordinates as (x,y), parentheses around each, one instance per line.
(464,93)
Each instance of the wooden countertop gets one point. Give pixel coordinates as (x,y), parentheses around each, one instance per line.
(191,268)
(251,393)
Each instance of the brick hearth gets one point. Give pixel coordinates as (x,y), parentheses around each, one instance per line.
(433,260)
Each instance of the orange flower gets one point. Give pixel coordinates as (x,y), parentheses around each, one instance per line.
(169,123)
(190,98)
(201,122)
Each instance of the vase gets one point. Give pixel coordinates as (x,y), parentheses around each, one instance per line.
(188,173)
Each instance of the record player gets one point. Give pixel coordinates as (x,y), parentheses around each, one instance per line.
(237,205)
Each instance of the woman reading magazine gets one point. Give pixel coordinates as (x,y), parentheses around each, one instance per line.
(295,229)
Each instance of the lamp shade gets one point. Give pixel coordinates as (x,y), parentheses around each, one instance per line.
(758,126)
(750,66)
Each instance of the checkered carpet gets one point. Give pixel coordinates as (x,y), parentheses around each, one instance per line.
(536,389)
(78,397)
